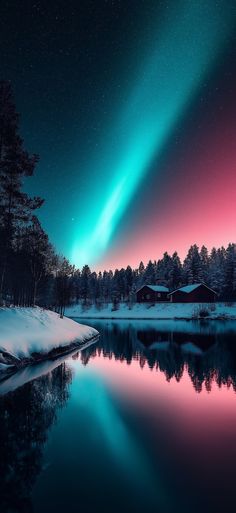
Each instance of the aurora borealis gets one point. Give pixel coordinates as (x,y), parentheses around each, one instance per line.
(168,80)
(132,110)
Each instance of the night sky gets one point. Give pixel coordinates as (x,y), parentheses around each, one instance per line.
(131,105)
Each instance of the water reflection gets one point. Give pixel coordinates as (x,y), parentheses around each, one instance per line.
(25,418)
(121,426)
(206,350)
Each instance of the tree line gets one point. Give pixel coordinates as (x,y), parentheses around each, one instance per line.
(32,273)
(216,268)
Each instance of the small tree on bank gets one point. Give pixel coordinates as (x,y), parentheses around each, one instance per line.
(63,284)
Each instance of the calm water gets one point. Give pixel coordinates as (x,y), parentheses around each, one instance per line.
(142,421)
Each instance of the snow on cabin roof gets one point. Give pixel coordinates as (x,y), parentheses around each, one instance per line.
(190,288)
(156,288)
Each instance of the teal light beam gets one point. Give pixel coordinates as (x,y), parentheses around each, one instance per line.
(181,57)
(107,429)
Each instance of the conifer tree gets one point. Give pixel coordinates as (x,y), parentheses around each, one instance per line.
(150,273)
(175,274)
(216,273)
(16,207)
(230,271)
(192,266)
(84,282)
(63,285)
(204,259)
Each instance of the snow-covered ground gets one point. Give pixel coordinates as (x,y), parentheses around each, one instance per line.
(25,332)
(157,311)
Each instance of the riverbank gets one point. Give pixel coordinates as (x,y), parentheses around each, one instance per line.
(157,311)
(33,334)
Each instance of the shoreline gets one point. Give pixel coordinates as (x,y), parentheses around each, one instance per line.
(13,378)
(55,353)
(223,319)
(32,335)
(30,366)
(159,311)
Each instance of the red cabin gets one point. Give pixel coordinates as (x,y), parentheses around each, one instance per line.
(196,293)
(152,294)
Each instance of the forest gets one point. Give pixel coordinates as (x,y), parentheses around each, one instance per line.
(31,272)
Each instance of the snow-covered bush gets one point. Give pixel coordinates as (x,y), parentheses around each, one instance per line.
(204,312)
(201,311)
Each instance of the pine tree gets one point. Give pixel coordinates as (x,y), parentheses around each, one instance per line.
(128,281)
(230,272)
(150,273)
(204,259)
(40,256)
(107,285)
(141,270)
(116,290)
(121,283)
(92,285)
(63,285)
(16,208)
(216,276)
(76,285)
(84,282)
(98,289)
(192,266)
(175,274)
(164,267)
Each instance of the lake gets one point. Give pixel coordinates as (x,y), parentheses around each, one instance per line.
(142,420)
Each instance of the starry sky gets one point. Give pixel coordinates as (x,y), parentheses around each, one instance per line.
(131,106)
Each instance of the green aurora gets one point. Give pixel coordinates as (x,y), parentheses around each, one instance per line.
(180,58)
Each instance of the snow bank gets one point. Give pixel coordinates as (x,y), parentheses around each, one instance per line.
(157,311)
(25,331)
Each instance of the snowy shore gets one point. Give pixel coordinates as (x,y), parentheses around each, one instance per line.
(157,311)
(32,334)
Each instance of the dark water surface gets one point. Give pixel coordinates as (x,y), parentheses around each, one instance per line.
(142,421)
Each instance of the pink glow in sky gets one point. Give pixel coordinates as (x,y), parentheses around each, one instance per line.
(195,202)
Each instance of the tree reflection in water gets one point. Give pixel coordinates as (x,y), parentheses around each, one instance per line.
(208,354)
(26,415)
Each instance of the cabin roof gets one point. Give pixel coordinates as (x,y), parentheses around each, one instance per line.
(189,288)
(155,288)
